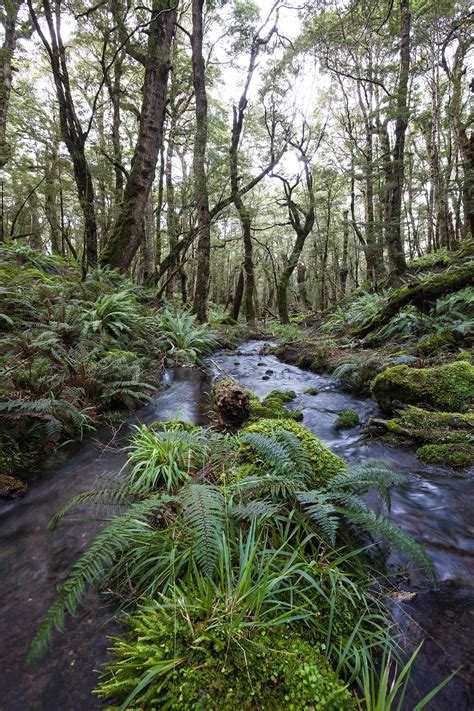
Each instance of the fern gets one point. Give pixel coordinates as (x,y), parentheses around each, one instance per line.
(92,566)
(203,509)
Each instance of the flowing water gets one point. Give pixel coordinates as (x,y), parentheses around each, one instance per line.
(435,506)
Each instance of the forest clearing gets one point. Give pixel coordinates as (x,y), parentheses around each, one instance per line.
(236,355)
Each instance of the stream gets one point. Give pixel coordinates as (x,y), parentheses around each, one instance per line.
(435,506)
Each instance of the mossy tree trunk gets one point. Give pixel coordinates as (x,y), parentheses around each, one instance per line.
(201,196)
(9,22)
(128,229)
(395,167)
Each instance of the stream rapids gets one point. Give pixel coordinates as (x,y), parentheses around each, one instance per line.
(435,506)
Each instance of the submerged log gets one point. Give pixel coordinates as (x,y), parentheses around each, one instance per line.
(231,403)
(422,295)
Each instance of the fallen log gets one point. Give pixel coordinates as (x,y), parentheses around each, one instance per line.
(422,294)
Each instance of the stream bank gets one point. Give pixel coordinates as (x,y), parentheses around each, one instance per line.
(435,506)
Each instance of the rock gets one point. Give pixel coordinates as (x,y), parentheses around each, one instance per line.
(265,377)
(10,487)
(346,419)
(448,388)
(403,359)
(269,372)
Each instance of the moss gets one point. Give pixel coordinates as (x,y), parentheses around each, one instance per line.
(446,454)
(464,355)
(324,463)
(448,388)
(11,487)
(347,418)
(270,408)
(258,669)
(438,343)
(311,391)
(281,395)
(322,359)
(442,429)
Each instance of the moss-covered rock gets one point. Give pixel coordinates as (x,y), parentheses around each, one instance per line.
(347,418)
(424,426)
(281,395)
(449,388)
(11,487)
(271,407)
(440,342)
(448,455)
(311,391)
(324,463)
(260,669)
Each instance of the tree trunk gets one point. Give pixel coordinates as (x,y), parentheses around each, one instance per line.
(345,243)
(9,19)
(72,133)
(396,254)
(239,292)
(201,196)
(127,232)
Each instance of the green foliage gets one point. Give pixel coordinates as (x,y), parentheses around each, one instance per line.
(169,660)
(357,373)
(164,458)
(347,418)
(187,340)
(356,312)
(323,462)
(449,387)
(76,348)
(448,455)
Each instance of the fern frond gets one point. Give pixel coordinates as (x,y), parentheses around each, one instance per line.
(92,566)
(322,511)
(383,527)
(254,510)
(272,453)
(203,511)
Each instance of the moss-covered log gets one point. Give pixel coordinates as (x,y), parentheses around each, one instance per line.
(422,294)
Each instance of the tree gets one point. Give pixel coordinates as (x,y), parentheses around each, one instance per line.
(128,229)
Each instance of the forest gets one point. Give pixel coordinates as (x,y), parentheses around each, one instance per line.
(236,355)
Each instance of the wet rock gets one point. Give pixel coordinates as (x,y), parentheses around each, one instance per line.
(10,487)
(269,372)
(403,359)
(265,377)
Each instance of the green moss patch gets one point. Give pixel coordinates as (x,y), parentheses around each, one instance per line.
(311,391)
(446,454)
(347,418)
(271,407)
(265,669)
(324,463)
(448,388)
